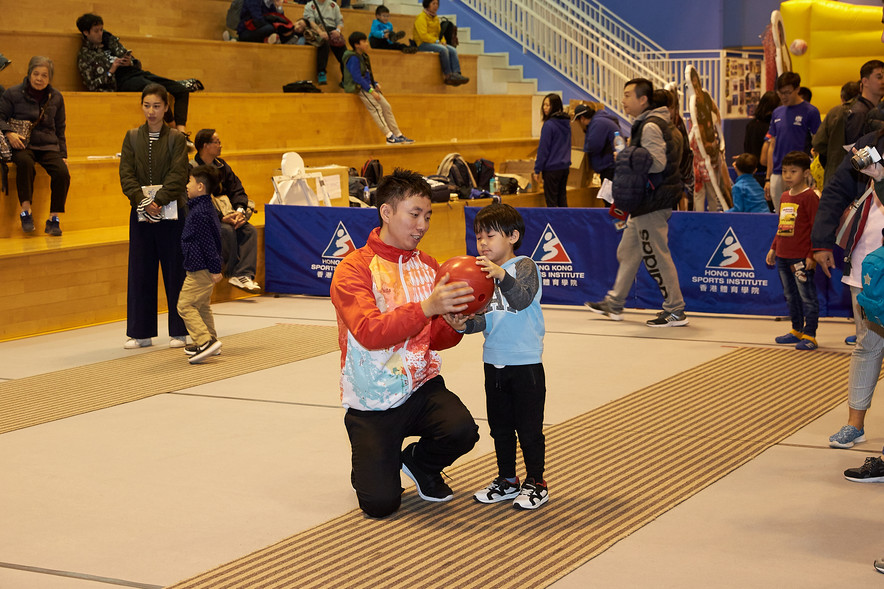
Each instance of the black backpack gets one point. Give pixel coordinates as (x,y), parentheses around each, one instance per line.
(449,32)
(372,171)
(301,86)
(440,188)
(459,174)
(483,171)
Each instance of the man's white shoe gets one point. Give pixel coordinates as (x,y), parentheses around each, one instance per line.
(245,282)
(134,343)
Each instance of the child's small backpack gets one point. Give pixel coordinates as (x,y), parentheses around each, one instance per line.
(449,32)
(372,171)
(483,171)
(871,299)
(459,173)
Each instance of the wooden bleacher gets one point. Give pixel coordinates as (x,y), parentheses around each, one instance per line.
(80,278)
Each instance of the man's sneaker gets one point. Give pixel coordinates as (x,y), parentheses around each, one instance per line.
(532,495)
(850,340)
(430,485)
(321,79)
(245,282)
(398,35)
(204,351)
(391,140)
(846,437)
(27,222)
(53,226)
(793,337)
(404,139)
(409,49)
(807,343)
(872,471)
(459,79)
(192,349)
(603,308)
(135,343)
(500,489)
(667,319)
(178,341)
(879,565)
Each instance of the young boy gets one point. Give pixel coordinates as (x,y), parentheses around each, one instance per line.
(747,193)
(359,79)
(392,319)
(515,385)
(201,246)
(382,35)
(791,251)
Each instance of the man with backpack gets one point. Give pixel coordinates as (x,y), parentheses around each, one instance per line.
(647,185)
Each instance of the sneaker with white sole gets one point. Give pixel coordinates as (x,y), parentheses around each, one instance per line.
(879,565)
(204,351)
(192,349)
(430,485)
(178,341)
(872,471)
(245,282)
(532,495)
(603,308)
(134,343)
(846,437)
(667,319)
(500,489)
(793,337)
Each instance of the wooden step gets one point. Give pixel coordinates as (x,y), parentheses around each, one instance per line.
(231,67)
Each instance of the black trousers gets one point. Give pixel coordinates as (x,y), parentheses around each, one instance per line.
(139,82)
(25,161)
(152,245)
(515,397)
(555,187)
(322,51)
(239,250)
(435,414)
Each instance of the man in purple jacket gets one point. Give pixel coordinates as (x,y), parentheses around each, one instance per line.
(600,127)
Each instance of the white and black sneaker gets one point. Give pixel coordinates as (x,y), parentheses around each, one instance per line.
(191,349)
(500,489)
(210,348)
(430,485)
(244,282)
(532,495)
(603,308)
(667,319)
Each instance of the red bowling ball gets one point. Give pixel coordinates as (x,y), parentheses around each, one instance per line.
(464,269)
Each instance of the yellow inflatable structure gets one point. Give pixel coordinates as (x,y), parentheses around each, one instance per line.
(840,38)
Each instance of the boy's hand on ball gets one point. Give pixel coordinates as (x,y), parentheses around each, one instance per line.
(492,269)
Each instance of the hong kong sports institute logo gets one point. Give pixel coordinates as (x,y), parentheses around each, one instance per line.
(550,249)
(730,255)
(341,243)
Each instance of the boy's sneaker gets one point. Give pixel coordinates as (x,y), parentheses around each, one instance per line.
(850,340)
(807,343)
(244,282)
(793,337)
(192,349)
(667,319)
(846,437)
(532,495)
(404,139)
(603,308)
(27,222)
(391,140)
(409,49)
(204,351)
(53,226)
(398,35)
(500,489)
(273,39)
(872,471)
(135,343)
(879,565)
(321,79)
(430,485)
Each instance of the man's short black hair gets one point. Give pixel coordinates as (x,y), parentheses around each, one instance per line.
(381,10)
(643,87)
(798,159)
(849,91)
(207,176)
(202,137)
(87,21)
(502,218)
(356,37)
(398,186)
(870,66)
(746,163)
(805,94)
(789,79)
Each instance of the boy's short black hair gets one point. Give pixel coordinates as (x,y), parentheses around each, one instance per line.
(207,176)
(746,163)
(381,10)
(398,186)
(789,79)
(502,218)
(799,159)
(356,37)
(202,137)
(87,21)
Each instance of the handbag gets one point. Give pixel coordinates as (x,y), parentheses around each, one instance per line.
(333,40)
(24,128)
(848,218)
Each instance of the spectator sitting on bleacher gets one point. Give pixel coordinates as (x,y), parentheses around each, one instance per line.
(263,21)
(106,66)
(427,34)
(308,33)
(382,35)
(239,239)
(359,79)
(4,61)
(41,107)
(327,15)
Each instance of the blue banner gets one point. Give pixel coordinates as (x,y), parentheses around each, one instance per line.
(303,245)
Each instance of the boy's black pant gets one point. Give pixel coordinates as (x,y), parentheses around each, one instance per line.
(515,396)
(446,429)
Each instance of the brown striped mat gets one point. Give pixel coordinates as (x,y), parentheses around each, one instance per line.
(695,427)
(33,400)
